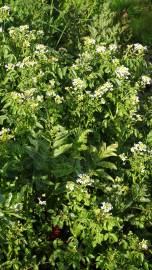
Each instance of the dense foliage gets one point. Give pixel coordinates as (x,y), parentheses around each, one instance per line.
(75,138)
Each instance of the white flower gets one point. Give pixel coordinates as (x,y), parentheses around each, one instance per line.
(34,79)
(18,97)
(11,31)
(100,49)
(89,41)
(5,8)
(20,65)
(143,244)
(78,83)
(106,87)
(136,117)
(58,99)
(72,215)
(115,61)
(26,43)
(85,180)
(41,202)
(1,29)
(138,47)
(122,72)
(40,32)
(74,66)
(85,56)
(41,48)
(39,98)
(108,189)
(70,186)
(146,80)
(52,82)
(134,99)
(106,207)
(112,47)
(137,99)
(10,66)
(28,62)
(23,28)
(4,131)
(29,93)
(123,157)
(138,147)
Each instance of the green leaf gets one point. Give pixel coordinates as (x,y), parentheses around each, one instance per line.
(108,165)
(2,118)
(62,149)
(103,174)
(107,151)
(149,138)
(113,237)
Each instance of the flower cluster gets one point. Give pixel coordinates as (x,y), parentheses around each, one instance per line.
(115,61)
(138,147)
(89,41)
(17,96)
(27,95)
(27,62)
(145,80)
(13,30)
(120,189)
(113,47)
(100,91)
(103,89)
(42,202)
(123,157)
(100,49)
(135,99)
(10,66)
(57,98)
(5,8)
(139,48)
(78,83)
(70,186)
(143,244)
(52,83)
(106,207)
(22,35)
(4,131)
(85,180)
(24,28)
(122,72)
(4,12)
(41,49)
(136,117)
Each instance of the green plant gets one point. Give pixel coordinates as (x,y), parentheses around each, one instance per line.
(75,141)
